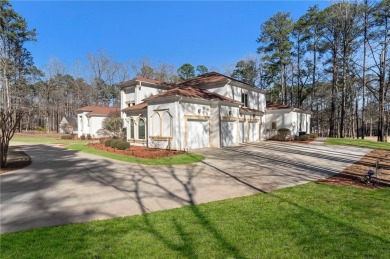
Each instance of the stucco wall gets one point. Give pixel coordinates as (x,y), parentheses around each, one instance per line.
(302,121)
(95,124)
(82,124)
(89,125)
(127,94)
(224,111)
(145,92)
(256,100)
(160,110)
(283,119)
(295,121)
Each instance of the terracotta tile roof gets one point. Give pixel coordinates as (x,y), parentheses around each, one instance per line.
(98,110)
(147,80)
(208,78)
(192,93)
(249,110)
(213,78)
(277,106)
(136,107)
(144,79)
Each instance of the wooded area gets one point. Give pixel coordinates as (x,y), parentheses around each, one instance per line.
(332,62)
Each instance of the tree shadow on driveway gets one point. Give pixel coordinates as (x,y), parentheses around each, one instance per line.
(64,186)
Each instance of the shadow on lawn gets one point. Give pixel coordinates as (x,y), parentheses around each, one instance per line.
(186,248)
(145,185)
(181,191)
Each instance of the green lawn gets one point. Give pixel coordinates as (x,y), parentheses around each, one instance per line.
(46,140)
(172,160)
(80,146)
(358,143)
(307,221)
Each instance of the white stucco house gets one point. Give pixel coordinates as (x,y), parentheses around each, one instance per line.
(90,119)
(211,110)
(279,116)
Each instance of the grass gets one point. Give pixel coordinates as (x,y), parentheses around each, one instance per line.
(46,140)
(80,145)
(358,143)
(172,160)
(307,221)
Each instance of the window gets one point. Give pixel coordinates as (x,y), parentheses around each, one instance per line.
(141,129)
(130,103)
(131,128)
(244,99)
(273,125)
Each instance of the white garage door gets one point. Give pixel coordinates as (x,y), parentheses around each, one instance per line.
(198,134)
(242,132)
(229,133)
(253,132)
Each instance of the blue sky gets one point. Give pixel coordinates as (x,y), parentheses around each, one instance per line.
(209,33)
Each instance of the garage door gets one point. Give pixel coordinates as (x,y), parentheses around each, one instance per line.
(198,134)
(253,132)
(242,132)
(229,133)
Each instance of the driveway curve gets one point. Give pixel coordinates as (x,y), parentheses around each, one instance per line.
(63,186)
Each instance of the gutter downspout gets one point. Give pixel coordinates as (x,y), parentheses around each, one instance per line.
(178,121)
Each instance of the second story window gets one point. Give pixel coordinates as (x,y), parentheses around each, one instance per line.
(244,99)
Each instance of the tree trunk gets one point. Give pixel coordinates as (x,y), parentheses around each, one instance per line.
(332,120)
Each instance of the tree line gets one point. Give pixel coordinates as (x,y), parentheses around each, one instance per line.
(331,61)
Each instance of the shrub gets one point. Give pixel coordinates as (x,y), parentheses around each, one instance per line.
(122,145)
(283,134)
(103,140)
(114,142)
(82,137)
(303,137)
(313,136)
(69,137)
(89,137)
(279,137)
(107,143)
(283,130)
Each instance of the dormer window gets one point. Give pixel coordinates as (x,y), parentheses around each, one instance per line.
(244,99)
(130,103)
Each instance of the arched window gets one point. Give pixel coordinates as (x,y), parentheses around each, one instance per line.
(141,129)
(131,128)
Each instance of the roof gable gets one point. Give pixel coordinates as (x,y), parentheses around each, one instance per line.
(277,106)
(192,92)
(140,106)
(98,110)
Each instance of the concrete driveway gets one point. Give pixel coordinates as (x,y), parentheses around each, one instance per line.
(63,186)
